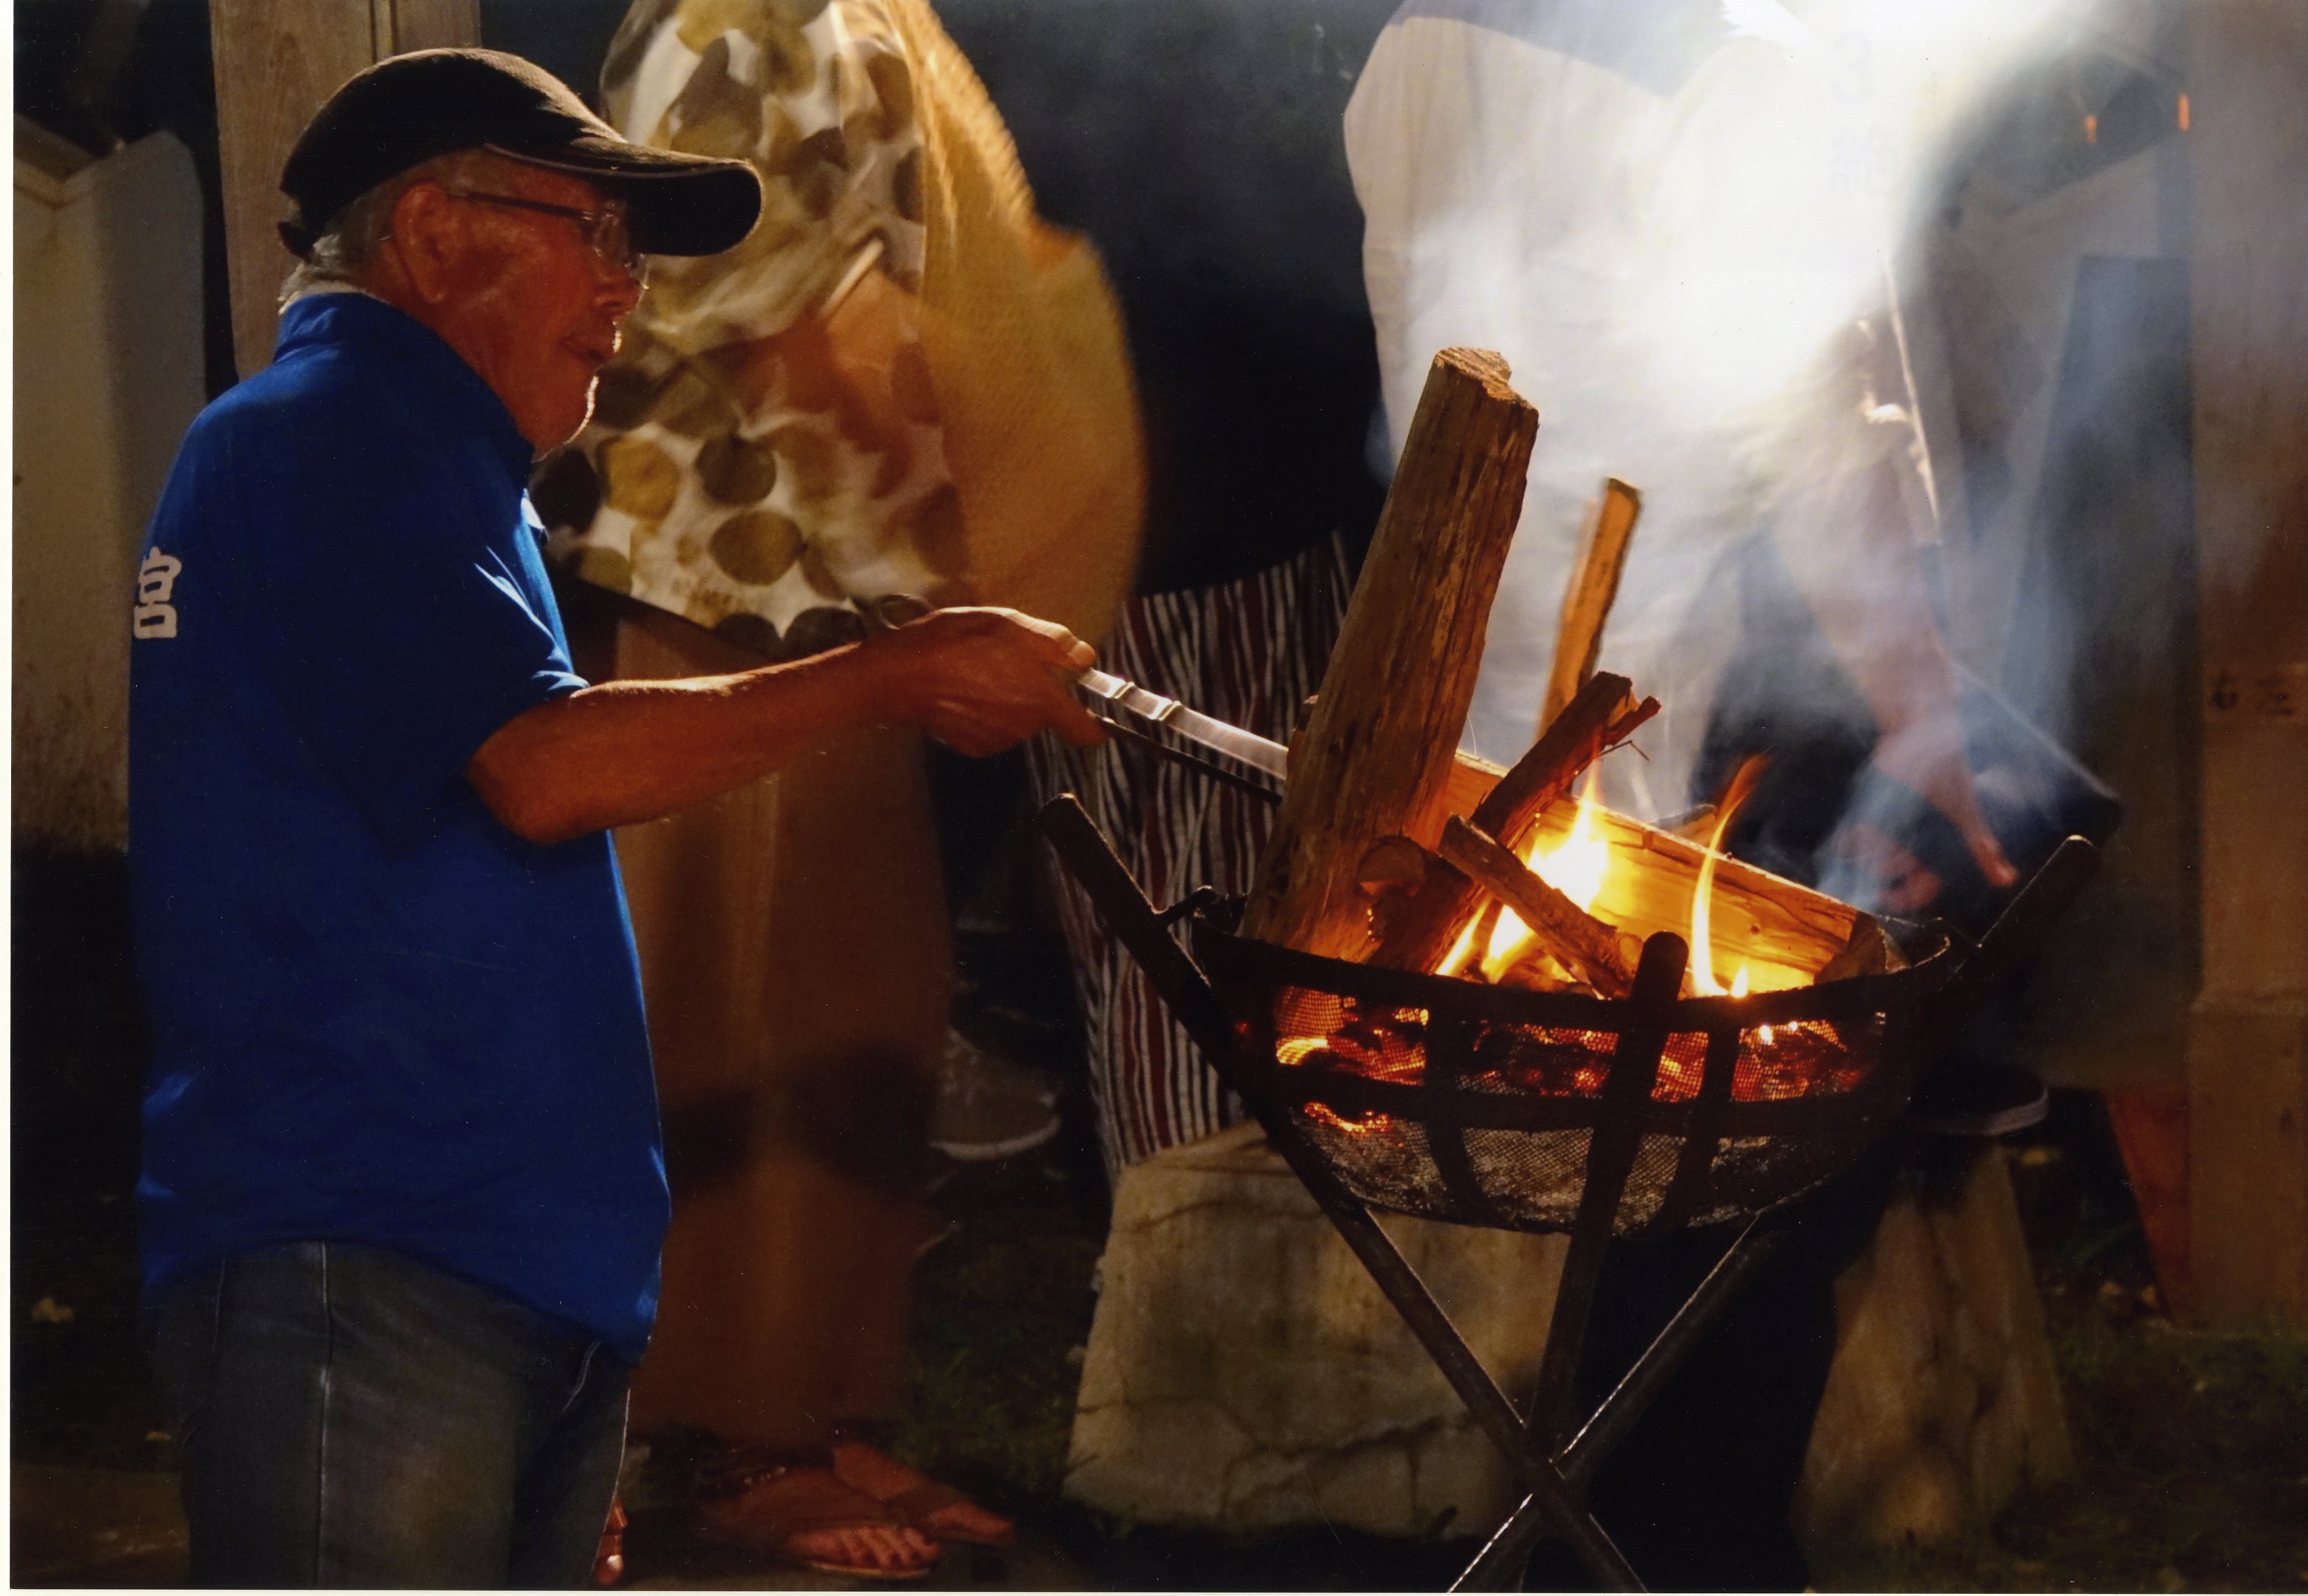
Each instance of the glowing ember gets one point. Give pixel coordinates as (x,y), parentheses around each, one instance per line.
(1793,1059)
(1804,1058)
(1322,1115)
(1388,1045)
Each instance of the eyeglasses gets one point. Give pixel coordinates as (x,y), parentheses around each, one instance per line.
(604,232)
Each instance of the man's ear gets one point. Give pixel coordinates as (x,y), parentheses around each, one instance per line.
(428,241)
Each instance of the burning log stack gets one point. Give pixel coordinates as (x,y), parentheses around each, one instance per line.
(1394,850)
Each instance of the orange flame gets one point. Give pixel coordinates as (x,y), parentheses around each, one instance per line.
(1576,867)
(1702,951)
(1453,961)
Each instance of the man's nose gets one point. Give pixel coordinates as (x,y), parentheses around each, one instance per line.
(616,289)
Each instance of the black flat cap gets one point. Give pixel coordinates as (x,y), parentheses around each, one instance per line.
(406,110)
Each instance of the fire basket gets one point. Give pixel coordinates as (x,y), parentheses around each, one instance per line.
(1475,1104)
(1481,1105)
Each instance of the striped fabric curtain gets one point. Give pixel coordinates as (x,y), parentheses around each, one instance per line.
(1250,651)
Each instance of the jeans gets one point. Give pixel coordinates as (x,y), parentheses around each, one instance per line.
(348,1417)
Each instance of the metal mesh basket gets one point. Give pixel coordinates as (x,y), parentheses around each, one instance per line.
(1475,1104)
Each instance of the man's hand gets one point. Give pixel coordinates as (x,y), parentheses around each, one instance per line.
(1845,543)
(1927,755)
(981,680)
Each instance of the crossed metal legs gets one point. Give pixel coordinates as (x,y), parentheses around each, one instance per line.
(1552,1465)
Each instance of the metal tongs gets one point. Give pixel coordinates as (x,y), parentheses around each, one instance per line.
(1110,698)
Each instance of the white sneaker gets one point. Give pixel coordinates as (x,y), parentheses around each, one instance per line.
(987,1107)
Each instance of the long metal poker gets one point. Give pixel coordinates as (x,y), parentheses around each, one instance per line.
(1261,753)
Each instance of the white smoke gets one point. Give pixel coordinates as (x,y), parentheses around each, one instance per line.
(1699,293)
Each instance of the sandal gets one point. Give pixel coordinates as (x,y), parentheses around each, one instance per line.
(779,1504)
(609,1556)
(913,1498)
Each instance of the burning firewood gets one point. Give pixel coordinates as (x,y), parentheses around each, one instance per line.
(1377,757)
(1587,598)
(1574,938)
(1530,886)
(1602,716)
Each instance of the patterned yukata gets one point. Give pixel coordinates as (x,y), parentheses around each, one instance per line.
(732,472)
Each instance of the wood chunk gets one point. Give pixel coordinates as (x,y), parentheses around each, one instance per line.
(1786,931)
(1377,757)
(1870,952)
(1587,598)
(1392,865)
(1599,718)
(1576,939)
(1392,872)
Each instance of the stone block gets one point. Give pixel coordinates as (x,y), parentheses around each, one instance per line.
(1244,1373)
(1941,1400)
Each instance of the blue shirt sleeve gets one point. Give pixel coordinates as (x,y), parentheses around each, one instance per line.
(394,600)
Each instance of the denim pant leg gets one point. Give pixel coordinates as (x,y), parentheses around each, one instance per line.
(349,1416)
(562,1501)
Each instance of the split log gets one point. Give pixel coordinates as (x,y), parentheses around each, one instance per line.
(1784,932)
(1787,932)
(1587,599)
(1376,755)
(1599,718)
(1870,952)
(1472,777)
(1577,940)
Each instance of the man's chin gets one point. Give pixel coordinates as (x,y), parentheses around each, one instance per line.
(551,434)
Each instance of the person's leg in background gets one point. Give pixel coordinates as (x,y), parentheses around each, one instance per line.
(348,1417)
(1249,651)
(794,953)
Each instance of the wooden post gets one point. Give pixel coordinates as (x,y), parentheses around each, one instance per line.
(1588,597)
(2248,1033)
(276,61)
(1375,760)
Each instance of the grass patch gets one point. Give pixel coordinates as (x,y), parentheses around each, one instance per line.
(1005,1305)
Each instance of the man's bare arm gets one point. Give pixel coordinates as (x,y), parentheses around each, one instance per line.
(612,754)
(1865,588)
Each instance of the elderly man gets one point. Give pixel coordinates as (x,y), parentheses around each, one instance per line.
(403,1194)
